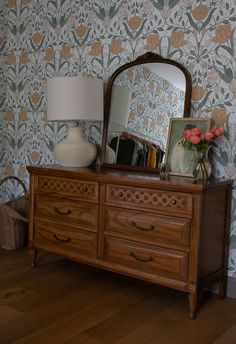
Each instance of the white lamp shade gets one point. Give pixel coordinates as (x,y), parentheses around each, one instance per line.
(74,98)
(120,105)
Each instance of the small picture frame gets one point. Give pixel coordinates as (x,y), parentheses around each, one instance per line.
(180,160)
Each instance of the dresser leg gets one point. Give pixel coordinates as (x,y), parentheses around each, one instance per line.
(193,300)
(33,254)
(222,287)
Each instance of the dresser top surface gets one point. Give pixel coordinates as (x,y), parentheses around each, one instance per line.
(128,177)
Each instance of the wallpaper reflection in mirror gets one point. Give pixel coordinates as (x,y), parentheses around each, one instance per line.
(144,98)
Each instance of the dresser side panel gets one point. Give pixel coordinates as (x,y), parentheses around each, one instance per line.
(213,232)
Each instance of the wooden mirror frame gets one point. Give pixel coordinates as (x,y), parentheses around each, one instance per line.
(148,57)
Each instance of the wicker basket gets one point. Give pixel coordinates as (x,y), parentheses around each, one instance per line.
(14,219)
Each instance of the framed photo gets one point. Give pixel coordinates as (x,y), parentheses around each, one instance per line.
(181,161)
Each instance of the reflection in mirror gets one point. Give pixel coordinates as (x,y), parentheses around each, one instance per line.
(144,97)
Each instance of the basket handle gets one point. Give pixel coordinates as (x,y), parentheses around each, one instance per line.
(17,179)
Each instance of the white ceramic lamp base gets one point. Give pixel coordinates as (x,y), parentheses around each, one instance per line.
(75,150)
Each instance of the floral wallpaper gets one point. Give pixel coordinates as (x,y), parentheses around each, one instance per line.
(44,38)
(154,101)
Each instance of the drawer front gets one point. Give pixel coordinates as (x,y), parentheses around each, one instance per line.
(84,190)
(68,212)
(131,197)
(146,258)
(147,228)
(65,242)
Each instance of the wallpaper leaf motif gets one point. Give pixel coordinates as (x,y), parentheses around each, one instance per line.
(42,39)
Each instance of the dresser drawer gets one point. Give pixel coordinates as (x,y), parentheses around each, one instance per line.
(65,242)
(131,197)
(68,212)
(147,258)
(81,189)
(149,228)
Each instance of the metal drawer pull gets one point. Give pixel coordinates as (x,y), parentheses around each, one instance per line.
(141,259)
(85,188)
(61,240)
(173,201)
(59,211)
(151,228)
(120,194)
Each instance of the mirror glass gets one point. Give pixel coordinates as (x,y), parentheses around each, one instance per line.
(142,97)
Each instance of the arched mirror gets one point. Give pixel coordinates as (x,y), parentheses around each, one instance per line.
(141,97)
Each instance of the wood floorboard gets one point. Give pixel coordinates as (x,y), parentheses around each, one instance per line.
(64,302)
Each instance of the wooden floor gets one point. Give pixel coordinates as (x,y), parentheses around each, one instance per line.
(65,302)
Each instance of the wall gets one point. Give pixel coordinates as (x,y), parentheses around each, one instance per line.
(41,39)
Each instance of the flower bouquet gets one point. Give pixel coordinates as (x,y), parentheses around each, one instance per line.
(196,139)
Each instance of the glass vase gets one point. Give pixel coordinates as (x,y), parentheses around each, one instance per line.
(203,167)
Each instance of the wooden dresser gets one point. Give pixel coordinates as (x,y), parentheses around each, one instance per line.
(171,232)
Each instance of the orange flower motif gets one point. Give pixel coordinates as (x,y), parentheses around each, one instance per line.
(49,54)
(25,2)
(222,33)
(81,30)
(198,93)
(132,115)
(10,59)
(134,23)
(10,3)
(140,108)
(165,83)
(218,116)
(34,156)
(152,42)
(130,72)
(24,58)
(9,170)
(160,118)
(200,12)
(116,46)
(23,116)
(96,48)
(65,52)
(9,115)
(37,37)
(22,172)
(177,39)
(153,125)
(35,97)
(213,77)
(151,85)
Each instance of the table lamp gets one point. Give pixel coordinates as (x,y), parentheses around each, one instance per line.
(75,98)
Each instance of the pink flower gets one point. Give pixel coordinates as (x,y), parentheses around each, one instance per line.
(218,131)
(194,140)
(209,136)
(196,132)
(187,133)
